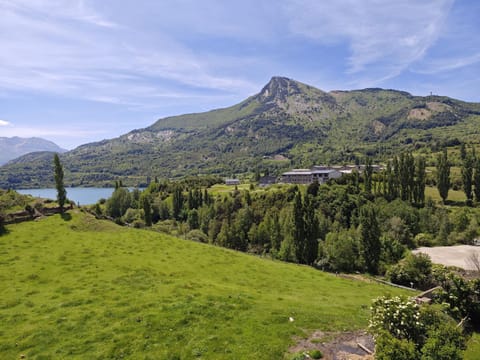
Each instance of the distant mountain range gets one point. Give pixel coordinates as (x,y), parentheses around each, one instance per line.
(13,147)
(286,124)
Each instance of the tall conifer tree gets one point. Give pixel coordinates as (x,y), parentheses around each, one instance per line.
(59,185)
(299,228)
(367,175)
(467,176)
(370,236)
(443,174)
(419,187)
(476,180)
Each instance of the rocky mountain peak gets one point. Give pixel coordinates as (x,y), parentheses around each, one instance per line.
(279,88)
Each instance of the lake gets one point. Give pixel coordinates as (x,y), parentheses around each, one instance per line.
(82,196)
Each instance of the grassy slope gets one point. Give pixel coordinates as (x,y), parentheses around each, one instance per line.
(88,289)
(473,350)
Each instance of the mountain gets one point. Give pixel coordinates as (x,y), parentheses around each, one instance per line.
(11,148)
(286,124)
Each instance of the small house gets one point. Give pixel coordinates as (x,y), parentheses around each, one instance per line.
(232,182)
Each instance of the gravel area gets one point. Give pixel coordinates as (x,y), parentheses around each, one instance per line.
(452,255)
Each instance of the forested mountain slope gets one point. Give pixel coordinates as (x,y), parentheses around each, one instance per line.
(299,122)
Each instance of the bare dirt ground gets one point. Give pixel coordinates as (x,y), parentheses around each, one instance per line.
(451,255)
(337,346)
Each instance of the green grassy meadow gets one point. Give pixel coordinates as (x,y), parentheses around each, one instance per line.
(453,195)
(473,349)
(80,288)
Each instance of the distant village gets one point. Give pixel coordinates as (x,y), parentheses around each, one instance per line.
(318,173)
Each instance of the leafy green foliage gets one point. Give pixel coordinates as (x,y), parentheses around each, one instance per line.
(415,270)
(404,330)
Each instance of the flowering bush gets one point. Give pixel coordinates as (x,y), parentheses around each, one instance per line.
(398,316)
(404,330)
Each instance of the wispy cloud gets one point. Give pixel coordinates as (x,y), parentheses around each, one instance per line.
(384,37)
(4,123)
(436,66)
(68,132)
(56,50)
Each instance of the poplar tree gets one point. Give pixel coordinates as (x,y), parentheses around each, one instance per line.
(370,237)
(2,226)
(396,177)
(147,209)
(419,187)
(298,227)
(177,202)
(61,192)
(367,175)
(467,177)
(443,175)
(311,231)
(476,180)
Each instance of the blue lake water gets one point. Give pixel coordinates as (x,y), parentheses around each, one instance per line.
(82,196)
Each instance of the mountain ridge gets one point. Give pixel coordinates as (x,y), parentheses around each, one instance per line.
(14,147)
(304,124)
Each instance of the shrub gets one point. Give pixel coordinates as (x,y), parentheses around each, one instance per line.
(388,348)
(197,235)
(316,354)
(444,343)
(415,268)
(424,239)
(397,316)
(405,331)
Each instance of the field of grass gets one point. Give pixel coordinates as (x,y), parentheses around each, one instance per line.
(473,350)
(82,288)
(453,195)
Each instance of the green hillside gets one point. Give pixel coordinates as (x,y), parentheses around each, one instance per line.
(295,122)
(81,288)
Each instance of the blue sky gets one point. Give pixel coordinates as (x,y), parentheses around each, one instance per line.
(76,71)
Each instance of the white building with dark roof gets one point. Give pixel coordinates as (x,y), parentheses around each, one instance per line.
(307,176)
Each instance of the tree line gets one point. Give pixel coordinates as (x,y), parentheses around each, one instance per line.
(360,222)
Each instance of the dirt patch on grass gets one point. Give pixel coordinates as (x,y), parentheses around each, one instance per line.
(337,346)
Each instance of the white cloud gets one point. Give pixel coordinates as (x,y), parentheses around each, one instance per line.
(436,66)
(4,123)
(72,133)
(67,48)
(384,37)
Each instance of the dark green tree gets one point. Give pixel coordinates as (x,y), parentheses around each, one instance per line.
(443,175)
(476,180)
(312,189)
(2,225)
(118,203)
(298,228)
(467,177)
(192,219)
(59,185)
(177,202)
(147,209)
(370,238)
(463,151)
(396,177)
(311,224)
(419,182)
(368,175)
